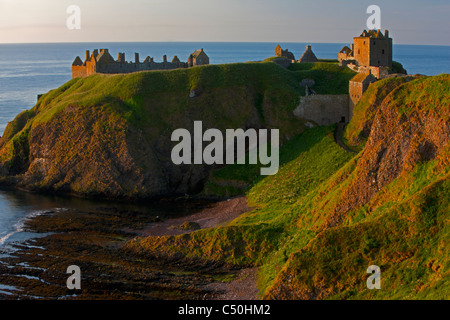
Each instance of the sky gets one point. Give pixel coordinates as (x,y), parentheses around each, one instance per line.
(335,21)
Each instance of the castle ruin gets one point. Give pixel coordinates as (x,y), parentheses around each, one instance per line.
(307,56)
(102,62)
(372,50)
(371,56)
(279,52)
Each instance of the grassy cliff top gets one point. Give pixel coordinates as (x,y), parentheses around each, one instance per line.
(406,94)
(128,94)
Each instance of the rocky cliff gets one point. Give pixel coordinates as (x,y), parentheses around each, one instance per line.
(110,135)
(329,214)
(390,205)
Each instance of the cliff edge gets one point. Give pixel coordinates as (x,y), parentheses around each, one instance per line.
(110,135)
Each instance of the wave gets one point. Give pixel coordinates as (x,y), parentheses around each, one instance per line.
(20,224)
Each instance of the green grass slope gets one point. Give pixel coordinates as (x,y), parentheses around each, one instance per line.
(328,215)
(251,238)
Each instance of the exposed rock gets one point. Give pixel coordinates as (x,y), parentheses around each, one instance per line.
(398,141)
(403,204)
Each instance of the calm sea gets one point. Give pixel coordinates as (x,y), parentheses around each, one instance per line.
(27,70)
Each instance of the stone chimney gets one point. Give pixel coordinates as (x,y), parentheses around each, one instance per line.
(386,33)
(121,57)
(136,57)
(308,47)
(165,58)
(87,55)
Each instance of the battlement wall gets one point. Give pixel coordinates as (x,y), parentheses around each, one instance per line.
(102,62)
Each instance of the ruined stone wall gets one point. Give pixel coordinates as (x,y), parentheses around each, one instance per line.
(356,91)
(324,109)
(202,59)
(78,72)
(125,67)
(362,51)
(378,72)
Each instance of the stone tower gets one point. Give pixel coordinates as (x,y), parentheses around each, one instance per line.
(373,49)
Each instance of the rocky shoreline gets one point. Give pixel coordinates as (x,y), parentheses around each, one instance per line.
(93,240)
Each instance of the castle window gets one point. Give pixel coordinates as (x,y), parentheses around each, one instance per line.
(382,51)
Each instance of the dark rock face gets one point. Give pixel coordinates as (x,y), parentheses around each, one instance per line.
(89,160)
(115,162)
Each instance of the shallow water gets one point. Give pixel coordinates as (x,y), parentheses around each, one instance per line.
(18,206)
(92,235)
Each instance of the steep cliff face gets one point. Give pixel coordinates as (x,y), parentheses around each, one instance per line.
(111,135)
(390,206)
(410,126)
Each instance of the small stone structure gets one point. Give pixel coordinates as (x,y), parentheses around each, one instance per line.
(279,52)
(358,85)
(102,62)
(198,58)
(308,56)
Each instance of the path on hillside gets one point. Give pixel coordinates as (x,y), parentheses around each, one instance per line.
(339,133)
